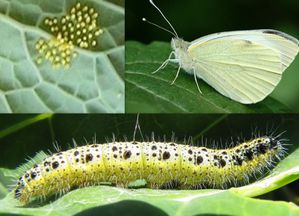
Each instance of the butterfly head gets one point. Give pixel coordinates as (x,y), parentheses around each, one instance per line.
(179,44)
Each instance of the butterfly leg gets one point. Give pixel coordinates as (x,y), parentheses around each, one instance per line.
(165,63)
(177,74)
(195,78)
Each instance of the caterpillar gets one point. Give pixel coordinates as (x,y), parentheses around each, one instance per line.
(160,164)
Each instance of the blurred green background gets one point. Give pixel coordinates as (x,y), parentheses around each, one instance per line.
(193,19)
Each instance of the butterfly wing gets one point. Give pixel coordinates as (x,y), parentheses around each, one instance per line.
(245,66)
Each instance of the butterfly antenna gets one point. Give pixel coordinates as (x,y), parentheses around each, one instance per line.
(160,27)
(173,32)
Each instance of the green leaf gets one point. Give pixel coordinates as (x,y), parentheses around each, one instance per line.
(93,83)
(152,93)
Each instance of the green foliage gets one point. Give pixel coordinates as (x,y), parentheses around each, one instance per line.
(147,92)
(35,133)
(93,83)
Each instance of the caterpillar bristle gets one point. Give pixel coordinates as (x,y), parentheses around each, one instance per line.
(74,143)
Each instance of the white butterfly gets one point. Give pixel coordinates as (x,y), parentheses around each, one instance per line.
(245,66)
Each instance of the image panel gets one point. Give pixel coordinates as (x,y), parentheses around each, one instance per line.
(167,164)
(62,56)
(248,66)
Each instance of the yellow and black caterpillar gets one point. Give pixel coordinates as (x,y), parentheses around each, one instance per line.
(159,163)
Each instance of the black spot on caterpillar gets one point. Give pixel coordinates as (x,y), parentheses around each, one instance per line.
(160,164)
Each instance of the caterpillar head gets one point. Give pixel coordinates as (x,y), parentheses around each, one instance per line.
(269,143)
(26,184)
(18,192)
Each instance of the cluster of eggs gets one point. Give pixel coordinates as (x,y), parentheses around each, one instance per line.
(78,28)
(57,51)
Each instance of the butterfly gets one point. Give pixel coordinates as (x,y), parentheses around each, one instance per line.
(244,66)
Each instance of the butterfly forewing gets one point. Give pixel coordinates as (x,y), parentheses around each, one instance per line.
(245,66)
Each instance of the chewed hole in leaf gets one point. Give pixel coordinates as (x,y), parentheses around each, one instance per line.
(79,27)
